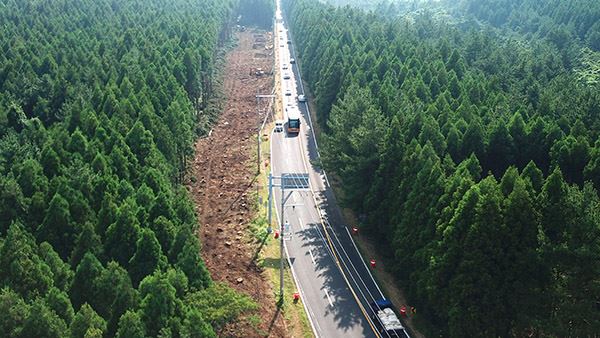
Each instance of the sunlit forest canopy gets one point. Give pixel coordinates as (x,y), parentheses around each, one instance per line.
(100,103)
(468,145)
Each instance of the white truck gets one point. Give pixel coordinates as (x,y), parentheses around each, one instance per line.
(386,321)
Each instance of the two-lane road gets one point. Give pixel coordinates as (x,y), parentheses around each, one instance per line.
(329,301)
(336,285)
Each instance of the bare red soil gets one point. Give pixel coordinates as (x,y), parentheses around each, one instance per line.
(223,182)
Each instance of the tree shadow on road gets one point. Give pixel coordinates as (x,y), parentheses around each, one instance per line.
(345,310)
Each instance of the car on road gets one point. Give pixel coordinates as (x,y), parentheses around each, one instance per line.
(282,46)
(286,76)
(292,60)
(285,66)
(386,321)
(289,42)
(288,92)
(301,98)
(279,126)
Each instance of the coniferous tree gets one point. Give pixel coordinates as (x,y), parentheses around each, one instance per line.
(158,302)
(123,234)
(43,322)
(131,326)
(21,268)
(148,256)
(56,228)
(59,302)
(118,295)
(189,261)
(14,313)
(83,287)
(87,241)
(86,322)
(61,272)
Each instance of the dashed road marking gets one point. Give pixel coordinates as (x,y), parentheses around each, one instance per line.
(328,298)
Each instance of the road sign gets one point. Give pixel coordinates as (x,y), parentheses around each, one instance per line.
(287,231)
(295,181)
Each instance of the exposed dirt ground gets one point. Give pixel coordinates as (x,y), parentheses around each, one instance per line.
(224,181)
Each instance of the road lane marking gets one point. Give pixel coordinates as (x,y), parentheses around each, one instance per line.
(301,224)
(364,296)
(365,264)
(312,319)
(330,246)
(312,257)
(328,298)
(327,246)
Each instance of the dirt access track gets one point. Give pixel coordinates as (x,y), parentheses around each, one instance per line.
(224,181)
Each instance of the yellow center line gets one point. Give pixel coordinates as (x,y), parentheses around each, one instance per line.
(337,261)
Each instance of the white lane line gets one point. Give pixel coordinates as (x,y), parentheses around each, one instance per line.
(309,117)
(328,298)
(316,328)
(325,242)
(365,264)
(301,224)
(312,257)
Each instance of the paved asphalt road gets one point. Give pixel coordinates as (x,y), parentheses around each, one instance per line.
(334,280)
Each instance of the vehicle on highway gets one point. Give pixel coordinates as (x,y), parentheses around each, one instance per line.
(286,76)
(385,319)
(281,46)
(285,66)
(301,98)
(293,120)
(288,92)
(292,60)
(279,126)
(289,42)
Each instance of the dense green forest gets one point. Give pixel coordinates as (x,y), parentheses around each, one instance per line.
(472,154)
(257,13)
(100,102)
(564,23)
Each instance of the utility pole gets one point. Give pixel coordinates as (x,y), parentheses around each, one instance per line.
(258,150)
(290,182)
(270,213)
(260,127)
(281,242)
(258,133)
